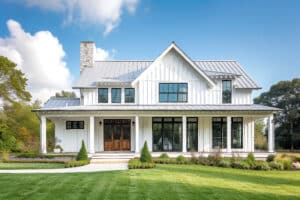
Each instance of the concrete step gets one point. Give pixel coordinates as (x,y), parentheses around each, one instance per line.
(111,157)
(108,161)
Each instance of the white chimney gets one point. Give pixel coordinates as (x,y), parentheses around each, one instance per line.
(87,52)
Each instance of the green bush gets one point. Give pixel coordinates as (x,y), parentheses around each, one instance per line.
(296,159)
(261,165)
(82,154)
(271,158)
(240,164)
(181,159)
(76,163)
(164,156)
(224,163)
(203,160)
(251,157)
(4,156)
(287,164)
(34,161)
(145,154)
(276,165)
(137,164)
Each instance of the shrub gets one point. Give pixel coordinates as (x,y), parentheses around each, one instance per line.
(34,161)
(271,158)
(82,154)
(145,154)
(296,159)
(181,159)
(203,161)
(240,164)
(4,156)
(276,165)
(261,165)
(251,157)
(76,163)
(164,156)
(59,147)
(287,164)
(224,163)
(137,164)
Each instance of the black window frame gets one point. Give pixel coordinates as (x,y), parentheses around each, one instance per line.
(74,124)
(112,99)
(165,122)
(191,121)
(177,93)
(226,92)
(237,121)
(222,123)
(99,94)
(126,97)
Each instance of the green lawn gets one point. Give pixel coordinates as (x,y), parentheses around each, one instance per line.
(31,165)
(163,182)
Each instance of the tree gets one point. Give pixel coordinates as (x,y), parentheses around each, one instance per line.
(145,154)
(12,82)
(284,95)
(82,154)
(67,94)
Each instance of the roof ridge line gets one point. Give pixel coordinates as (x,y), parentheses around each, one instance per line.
(153,60)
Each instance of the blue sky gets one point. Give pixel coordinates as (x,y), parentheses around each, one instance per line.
(263,35)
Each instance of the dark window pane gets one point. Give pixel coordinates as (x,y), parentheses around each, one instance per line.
(182,87)
(163,87)
(226,91)
(237,132)
(192,134)
(163,98)
(172,98)
(129,95)
(182,97)
(116,95)
(74,124)
(103,95)
(172,88)
(219,130)
(173,92)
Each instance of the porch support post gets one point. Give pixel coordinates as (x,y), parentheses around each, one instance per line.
(228,133)
(91,135)
(270,134)
(137,127)
(43,135)
(184,133)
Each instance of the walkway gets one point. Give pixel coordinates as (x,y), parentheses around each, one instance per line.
(83,169)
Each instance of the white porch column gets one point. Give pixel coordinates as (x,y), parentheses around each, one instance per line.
(43,131)
(270,134)
(184,133)
(91,135)
(228,133)
(137,127)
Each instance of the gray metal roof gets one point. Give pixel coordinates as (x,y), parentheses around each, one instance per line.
(127,71)
(168,107)
(61,102)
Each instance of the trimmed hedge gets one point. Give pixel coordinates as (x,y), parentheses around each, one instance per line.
(82,154)
(76,163)
(145,154)
(137,164)
(276,165)
(34,161)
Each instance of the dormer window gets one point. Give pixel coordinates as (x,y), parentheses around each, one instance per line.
(103,95)
(173,92)
(226,91)
(129,95)
(116,95)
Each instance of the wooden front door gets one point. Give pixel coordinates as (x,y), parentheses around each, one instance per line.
(117,134)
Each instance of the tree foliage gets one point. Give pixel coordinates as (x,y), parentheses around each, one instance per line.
(82,154)
(145,154)
(67,94)
(285,95)
(12,82)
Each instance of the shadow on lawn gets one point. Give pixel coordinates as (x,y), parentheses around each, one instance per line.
(233,175)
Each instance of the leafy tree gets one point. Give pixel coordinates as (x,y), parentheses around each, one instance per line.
(12,82)
(82,154)
(284,95)
(66,94)
(145,154)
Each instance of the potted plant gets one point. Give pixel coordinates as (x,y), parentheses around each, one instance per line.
(58,149)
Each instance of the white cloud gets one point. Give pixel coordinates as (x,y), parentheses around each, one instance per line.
(101,54)
(40,56)
(104,12)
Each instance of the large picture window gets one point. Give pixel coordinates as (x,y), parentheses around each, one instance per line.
(192,134)
(167,133)
(129,95)
(173,92)
(74,124)
(237,132)
(103,95)
(116,95)
(226,91)
(219,132)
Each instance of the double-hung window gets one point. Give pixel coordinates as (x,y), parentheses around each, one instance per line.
(173,92)
(129,95)
(116,95)
(103,95)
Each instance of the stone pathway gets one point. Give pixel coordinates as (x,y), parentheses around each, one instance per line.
(83,169)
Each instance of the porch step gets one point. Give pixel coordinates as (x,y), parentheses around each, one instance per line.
(111,157)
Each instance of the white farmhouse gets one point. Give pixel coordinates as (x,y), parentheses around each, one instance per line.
(174,103)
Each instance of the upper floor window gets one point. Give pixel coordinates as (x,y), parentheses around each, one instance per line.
(103,95)
(173,92)
(226,91)
(116,95)
(74,124)
(129,95)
